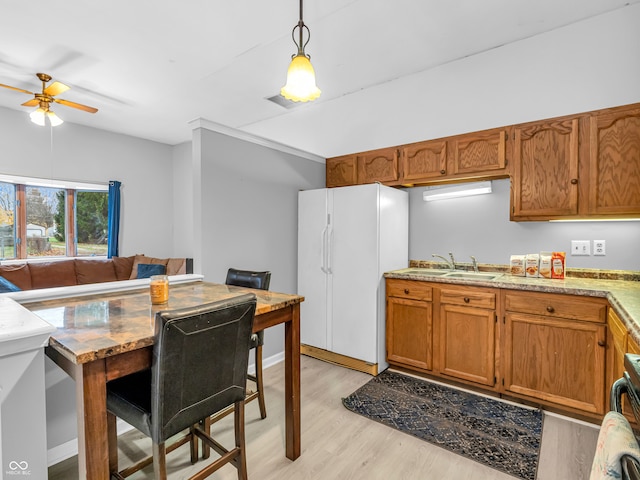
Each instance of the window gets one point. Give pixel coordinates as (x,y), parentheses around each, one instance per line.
(7,220)
(50,218)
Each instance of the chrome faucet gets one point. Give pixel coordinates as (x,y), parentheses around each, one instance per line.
(451,264)
(475,263)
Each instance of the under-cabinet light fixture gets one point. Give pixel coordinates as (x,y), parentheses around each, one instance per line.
(455,191)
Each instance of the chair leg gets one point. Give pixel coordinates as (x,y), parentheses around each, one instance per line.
(259,382)
(193,444)
(206,427)
(241,461)
(159,461)
(112,439)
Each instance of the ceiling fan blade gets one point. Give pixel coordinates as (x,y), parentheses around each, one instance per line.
(75,105)
(31,103)
(15,88)
(56,88)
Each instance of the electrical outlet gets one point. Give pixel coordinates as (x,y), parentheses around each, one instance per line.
(599,247)
(580,247)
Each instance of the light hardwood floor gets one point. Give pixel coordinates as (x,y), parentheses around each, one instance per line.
(338,444)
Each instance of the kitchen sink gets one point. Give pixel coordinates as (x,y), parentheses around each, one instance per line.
(472,275)
(425,271)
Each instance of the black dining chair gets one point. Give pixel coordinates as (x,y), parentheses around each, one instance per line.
(199,366)
(260,281)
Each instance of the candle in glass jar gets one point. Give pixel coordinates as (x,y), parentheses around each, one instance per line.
(159,289)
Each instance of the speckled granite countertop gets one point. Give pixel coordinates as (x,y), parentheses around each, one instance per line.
(623,295)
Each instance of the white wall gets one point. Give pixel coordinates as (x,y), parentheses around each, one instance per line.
(75,152)
(248,212)
(480,226)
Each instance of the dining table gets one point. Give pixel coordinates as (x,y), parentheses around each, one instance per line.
(104,336)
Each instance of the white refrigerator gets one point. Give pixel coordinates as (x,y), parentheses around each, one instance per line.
(347,238)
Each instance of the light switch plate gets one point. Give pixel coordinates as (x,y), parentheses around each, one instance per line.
(580,247)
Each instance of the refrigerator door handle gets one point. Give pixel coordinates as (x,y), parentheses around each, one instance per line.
(323,265)
(329,249)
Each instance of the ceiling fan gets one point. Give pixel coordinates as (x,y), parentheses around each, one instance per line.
(43,101)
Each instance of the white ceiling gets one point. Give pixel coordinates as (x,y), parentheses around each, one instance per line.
(152,67)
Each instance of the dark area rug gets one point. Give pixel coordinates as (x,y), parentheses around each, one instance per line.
(497,434)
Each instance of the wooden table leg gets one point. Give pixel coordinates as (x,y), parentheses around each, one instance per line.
(292,383)
(91,398)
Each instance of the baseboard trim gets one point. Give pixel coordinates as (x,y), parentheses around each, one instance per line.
(338,359)
(69,449)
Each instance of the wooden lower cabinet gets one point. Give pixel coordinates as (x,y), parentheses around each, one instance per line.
(557,356)
(558,350)
(618,344)
(410,324)
(467,334)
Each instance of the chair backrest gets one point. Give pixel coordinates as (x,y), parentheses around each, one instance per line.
(248,278)
(200,359)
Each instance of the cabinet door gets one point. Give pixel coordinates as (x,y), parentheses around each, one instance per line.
(410,333)
(545,180)
(424,161)
(467,343)
(560,361)
(378,166)
(481,152)
(614,162)
(342,171)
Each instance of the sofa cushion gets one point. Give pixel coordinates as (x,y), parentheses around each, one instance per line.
(95,271)
(6,286)
(123,266)
(145,270)
(177,266)
(53,274)
(147,260)
(19,275)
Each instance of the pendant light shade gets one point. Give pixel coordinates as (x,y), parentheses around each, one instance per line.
(301,81)
(301,77)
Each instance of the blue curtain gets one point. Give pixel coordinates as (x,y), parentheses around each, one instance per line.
(114,218)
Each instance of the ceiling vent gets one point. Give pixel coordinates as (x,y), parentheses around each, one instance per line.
(283,102)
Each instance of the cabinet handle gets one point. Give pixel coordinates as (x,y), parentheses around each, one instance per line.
(466,299)
(602,343)
(406,291)
(550,309)
(442,172)
(574,181)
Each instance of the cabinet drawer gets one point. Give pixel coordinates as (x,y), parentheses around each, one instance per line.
(468,297)
(586,309)
(409,289)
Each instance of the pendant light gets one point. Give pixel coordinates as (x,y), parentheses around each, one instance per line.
(301,78)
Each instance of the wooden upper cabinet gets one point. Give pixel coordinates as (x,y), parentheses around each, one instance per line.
(424,161)
(479,152)
(378,166)
(545,173)
(342,171)
(614,163)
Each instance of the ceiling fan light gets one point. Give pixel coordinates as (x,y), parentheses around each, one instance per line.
(301,81)
(37,116)
(54,120)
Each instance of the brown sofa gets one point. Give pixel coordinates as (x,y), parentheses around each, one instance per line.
(76,271)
